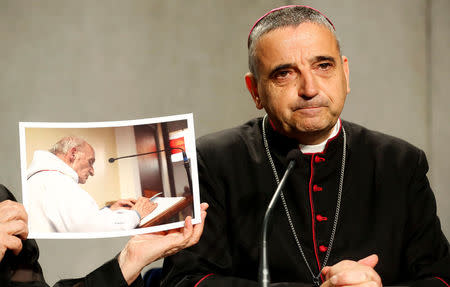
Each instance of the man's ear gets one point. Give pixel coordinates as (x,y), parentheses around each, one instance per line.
(72,154)
(346,72)
(252,87)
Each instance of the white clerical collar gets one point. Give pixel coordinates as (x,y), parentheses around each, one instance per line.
(315,148)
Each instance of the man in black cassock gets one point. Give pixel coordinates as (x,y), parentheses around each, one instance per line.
(356,211)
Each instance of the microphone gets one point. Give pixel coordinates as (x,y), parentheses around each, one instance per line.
(112,159)
(187,162)
(187,167)
(263,274)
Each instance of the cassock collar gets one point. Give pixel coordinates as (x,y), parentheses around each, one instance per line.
(318,148)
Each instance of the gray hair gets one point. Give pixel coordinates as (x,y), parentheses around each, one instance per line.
(64,145)
(290,16)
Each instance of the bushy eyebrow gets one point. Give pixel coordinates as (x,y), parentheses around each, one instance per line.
(323,58)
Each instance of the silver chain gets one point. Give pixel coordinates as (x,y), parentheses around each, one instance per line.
(316,280)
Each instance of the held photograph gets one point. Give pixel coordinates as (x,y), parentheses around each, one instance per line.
(108,179)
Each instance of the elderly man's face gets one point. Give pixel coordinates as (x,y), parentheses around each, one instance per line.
(83,163)
(302,81)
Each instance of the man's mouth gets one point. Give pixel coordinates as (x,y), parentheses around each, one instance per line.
(309,111)
(310,107)
(307,108)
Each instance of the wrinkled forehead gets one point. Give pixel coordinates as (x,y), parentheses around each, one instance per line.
(307,34)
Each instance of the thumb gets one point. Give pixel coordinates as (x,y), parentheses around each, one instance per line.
(325,270)
(370,260)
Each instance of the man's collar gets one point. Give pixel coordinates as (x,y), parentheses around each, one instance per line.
(318,148)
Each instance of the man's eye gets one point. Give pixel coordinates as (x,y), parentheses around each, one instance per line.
(324,66)
(282,75)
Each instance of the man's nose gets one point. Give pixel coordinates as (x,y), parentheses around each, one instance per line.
(308,85)
(91,171)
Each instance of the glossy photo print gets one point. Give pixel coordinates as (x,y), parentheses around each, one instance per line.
(107,179)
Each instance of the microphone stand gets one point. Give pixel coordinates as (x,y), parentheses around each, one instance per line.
(263,273)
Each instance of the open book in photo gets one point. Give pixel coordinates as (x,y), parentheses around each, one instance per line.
(165,204)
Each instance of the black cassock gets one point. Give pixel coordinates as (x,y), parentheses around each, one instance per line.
(387,209)
(24,270)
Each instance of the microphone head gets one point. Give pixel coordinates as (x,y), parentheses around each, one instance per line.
(294,155)
(111,160)
(185,158)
